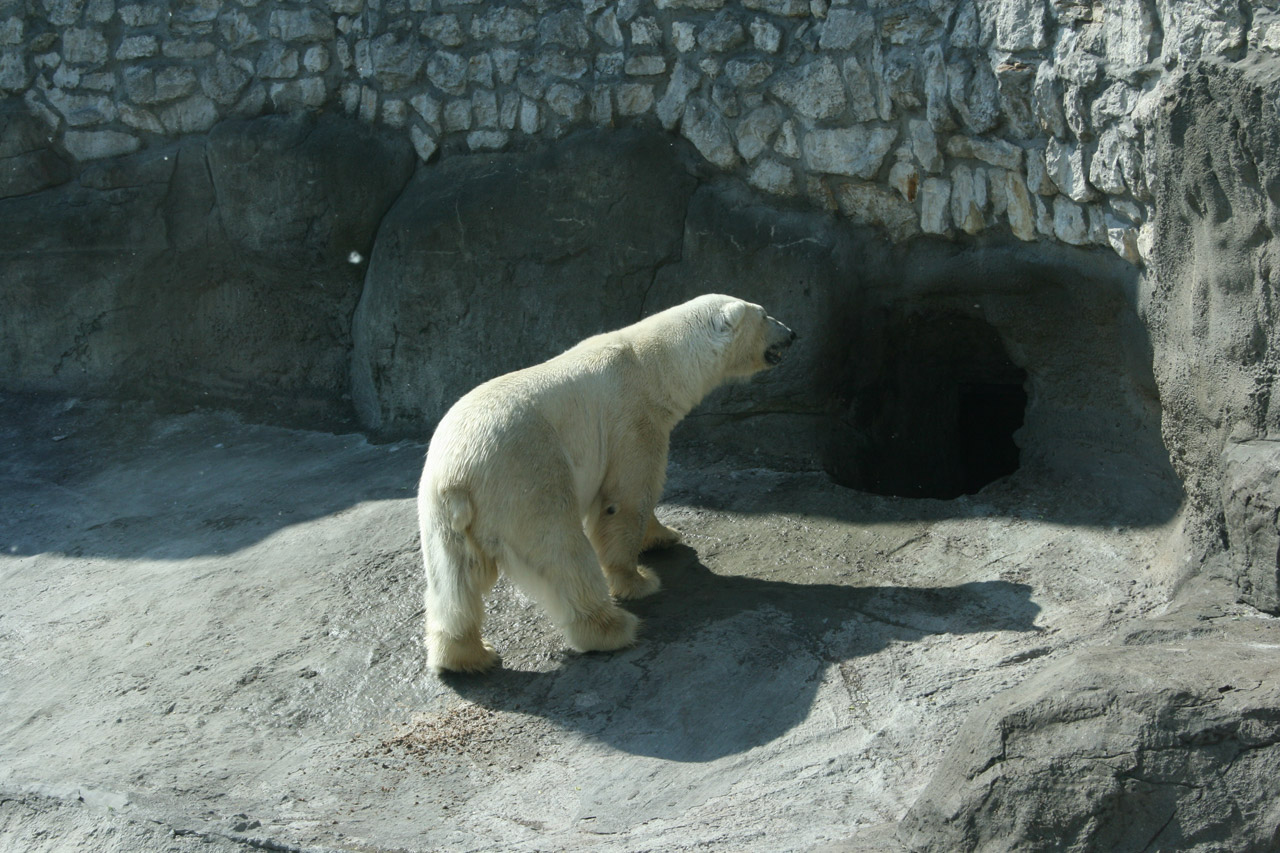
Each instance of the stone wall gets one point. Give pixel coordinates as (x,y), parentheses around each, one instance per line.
(933,116)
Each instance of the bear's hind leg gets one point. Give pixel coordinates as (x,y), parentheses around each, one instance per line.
(564,577)
(457,581)
(615,535)
(658,535)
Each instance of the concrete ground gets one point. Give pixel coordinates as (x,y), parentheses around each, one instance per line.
(210,640)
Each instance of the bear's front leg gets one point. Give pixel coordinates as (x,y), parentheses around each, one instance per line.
(616,533)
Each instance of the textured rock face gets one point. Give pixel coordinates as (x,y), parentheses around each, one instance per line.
(1166,740)
(854,89)
(489,264)
(1210,306)
(178,274)
(854,167)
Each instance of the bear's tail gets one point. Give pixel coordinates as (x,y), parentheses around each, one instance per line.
(458,510)
(458,576)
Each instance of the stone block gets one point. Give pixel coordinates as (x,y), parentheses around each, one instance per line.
(446,71)
(747,73)
(396,62)
(767,38)
(1018,206)
(683,34)
(757,129)
(935,206)
(278,62)
(484,107)
(635,99)
(137,47)
(782,8)
(815,91)
(193,115)
(566,100)
(1123,237)
(645,66)
(868,204)
(969,198)
(924,145)
(224,79)
(239,30)
(995,152)
(457,115)
(11,32)
(695,5)
(855,152)
(602,105)
(646,32)
(773,177)
(487,140)
(862,88)
(1015,25)
(565,28)
(721,34)
(301,25)
(684,80)
(14,71)
(446,30)
(1069,224)
(84,46)
(707,129)
(1066,166)
(936,91)
(1106,171)
(845,29)
(424,144)
(905,178)
(140,119)
(64,13)
(174,82)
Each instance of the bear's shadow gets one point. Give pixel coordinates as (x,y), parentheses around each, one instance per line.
(726,664)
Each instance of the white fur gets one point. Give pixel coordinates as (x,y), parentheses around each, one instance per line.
(551,474)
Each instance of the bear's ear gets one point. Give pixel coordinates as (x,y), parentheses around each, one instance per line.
(727,317)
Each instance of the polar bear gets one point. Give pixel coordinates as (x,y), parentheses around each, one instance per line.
(551,474)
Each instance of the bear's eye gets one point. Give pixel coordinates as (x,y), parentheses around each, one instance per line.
(610,510)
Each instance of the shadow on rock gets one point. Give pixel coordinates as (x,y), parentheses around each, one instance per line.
(727,664)
(118,480)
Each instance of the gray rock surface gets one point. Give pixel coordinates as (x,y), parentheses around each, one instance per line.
(212,633)
(1208,305)
(212,626)
(488,264)
(1005,74)
(1167,738)
(204,257)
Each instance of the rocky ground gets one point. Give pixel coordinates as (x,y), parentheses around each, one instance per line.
(211,640)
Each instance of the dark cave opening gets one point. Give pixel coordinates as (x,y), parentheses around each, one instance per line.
(933,408)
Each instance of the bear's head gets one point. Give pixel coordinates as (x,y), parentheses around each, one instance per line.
(752,340)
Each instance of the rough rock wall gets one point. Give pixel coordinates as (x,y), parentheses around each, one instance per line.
(1212,309)
(933,116)
(215,271)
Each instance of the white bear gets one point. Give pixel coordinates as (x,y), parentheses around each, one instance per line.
(551,474)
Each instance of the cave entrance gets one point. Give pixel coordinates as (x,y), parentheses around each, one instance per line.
(934,406)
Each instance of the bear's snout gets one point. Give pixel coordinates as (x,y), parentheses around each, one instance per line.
(780,337)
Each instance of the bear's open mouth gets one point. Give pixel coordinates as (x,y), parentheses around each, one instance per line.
(773,354)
